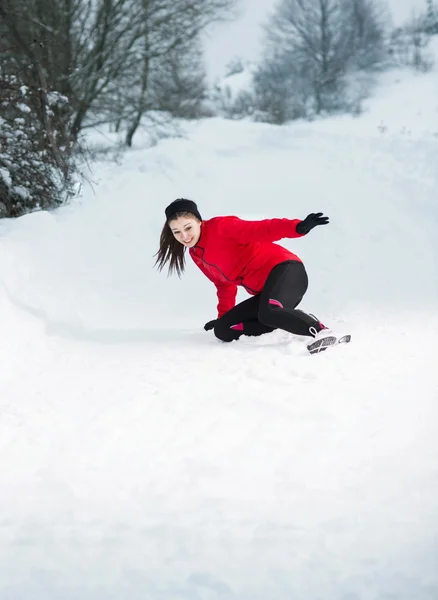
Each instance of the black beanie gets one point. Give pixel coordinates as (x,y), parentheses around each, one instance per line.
(182,205)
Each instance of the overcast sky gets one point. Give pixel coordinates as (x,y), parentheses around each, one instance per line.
(242,37)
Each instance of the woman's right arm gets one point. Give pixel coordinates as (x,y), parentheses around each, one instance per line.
(226,295)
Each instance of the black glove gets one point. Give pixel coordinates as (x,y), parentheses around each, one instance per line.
(310,222)
(210,325)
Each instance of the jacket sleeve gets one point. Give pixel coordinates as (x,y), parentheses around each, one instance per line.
(226,295)
(266,230)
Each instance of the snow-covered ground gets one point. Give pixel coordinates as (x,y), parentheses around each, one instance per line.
(142,459)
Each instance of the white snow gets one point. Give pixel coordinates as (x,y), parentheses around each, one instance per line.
(141,459)
(6,176)
(237,83)
(23,107)
(21,191)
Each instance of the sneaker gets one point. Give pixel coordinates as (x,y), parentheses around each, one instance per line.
(324,339)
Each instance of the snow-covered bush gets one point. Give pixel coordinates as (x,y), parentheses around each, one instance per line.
(34,172)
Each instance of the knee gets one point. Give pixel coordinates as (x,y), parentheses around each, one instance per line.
(226,334)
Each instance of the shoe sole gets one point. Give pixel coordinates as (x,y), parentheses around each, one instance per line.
(326,342)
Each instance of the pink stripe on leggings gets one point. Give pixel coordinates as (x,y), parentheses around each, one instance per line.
(275,303)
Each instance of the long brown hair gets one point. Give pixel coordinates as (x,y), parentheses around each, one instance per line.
(171,251)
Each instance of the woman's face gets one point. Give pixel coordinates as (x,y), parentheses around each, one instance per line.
(186,230)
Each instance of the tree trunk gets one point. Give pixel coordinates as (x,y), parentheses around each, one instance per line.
(78,120)
(141,101)
(133,128)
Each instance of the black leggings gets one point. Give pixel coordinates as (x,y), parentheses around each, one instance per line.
(273,308)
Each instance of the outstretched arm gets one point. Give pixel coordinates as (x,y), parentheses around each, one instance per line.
(266,230)
(269,230)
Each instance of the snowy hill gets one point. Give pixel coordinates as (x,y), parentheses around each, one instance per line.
(142,459)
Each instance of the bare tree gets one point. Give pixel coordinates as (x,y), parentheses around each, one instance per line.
(98,52)
(315,44)
(178,81)
(369,22)
(103,41)
(313,36)
(431,19)
(281,91)
(166,51)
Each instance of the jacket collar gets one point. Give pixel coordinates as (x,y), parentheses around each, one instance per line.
(203,223)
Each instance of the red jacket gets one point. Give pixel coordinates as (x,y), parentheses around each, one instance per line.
(232,252)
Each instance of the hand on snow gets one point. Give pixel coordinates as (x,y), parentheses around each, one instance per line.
(210,325)
(310,222)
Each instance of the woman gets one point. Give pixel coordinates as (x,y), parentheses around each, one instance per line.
(232,252)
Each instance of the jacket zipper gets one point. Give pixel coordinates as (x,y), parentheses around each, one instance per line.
(222,273)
